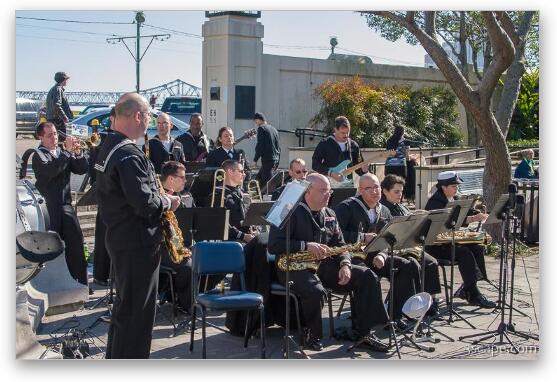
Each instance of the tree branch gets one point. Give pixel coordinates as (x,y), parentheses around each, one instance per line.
(430,24)
(508,26)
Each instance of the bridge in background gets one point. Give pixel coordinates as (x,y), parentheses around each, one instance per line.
(176,87)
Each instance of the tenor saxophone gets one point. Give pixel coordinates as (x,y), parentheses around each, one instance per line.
(300,261)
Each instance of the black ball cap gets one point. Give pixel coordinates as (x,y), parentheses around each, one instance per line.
(60,76)
(260,116)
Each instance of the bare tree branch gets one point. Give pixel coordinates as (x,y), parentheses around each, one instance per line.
(508,26)
(410,16)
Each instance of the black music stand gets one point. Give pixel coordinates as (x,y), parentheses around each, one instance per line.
(504,212)
(203,223)
(202,185)
(279,215)
(398,233)
(459,212)
(256,213)
(340,194)
(195,167)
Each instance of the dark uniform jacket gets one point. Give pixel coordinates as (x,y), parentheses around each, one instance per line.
(308,226)
(438,201)
(397,209)
(353,218)
(233,201)
(53,174)
(194,146)
(219,155)
(128,195)
(267,147)
(328,154)
(158,154)
(57,106)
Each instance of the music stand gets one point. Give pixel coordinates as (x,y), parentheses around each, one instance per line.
(256,213)
(279,215)
(503,212)
(202,185)
(340,194)
(195,167)
(89,198)
(398,233)
(203,223)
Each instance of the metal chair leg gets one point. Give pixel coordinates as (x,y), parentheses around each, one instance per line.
(248,317)
(298,320)
(193,315)
(203,333)
(262,320)
(331,319)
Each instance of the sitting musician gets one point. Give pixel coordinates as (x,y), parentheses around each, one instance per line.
(335,149)
(225,149)
(53,167)
(162,147)
(392,187)
(363,216)
(234,201)
(314,228)
(470,257)
(296,171)
(196,144)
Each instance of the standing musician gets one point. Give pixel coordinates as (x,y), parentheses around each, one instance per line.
(162,147)
(225,149)
(57,107)
(392,188)
(53,167)
(336,148)
(314,228)
(234,201)
(362,217)
(470,257)
(296,171)
(267,148)
(132,208)
(196,144)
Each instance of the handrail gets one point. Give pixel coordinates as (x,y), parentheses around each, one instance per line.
(302,133)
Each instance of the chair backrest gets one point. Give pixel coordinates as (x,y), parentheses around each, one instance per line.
(217,257)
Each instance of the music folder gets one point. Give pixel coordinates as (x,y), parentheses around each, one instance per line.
(438,220)
(401,229)
(282,209)
(496,212)
(465,206)
(256,213)
(205,223)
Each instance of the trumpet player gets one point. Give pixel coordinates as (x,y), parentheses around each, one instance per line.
(363,216)
(53,167)
(314,228)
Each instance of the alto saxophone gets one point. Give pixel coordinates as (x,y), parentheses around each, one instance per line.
(300,261)
(173,235)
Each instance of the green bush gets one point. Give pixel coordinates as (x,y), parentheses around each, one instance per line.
(428,113)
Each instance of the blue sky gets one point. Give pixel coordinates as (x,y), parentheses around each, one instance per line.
(81,49)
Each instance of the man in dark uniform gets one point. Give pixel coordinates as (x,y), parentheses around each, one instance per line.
(392,188)
(314,228)
(196,145)
(360,219)
(470,257)
(53,167)
(296,171)
(57,107)
(132,208)
(267,148)
(331,151)
(162,147)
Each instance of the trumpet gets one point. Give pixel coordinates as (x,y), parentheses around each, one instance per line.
(83,144)
(219,176)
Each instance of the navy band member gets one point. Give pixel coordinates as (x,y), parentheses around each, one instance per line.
(234,201)
(53,167)
(296,171)
(314,228)
(392,188)
(225,150)
(132,208)
(335,149)
(470,257)
(162,147)
(267,148)
(196,144)
(362,217)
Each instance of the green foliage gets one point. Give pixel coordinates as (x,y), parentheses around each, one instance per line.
(522,143)
(525,119)
(428,113)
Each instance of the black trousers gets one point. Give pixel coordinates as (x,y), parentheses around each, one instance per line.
(310,288)
(101,259)
(63,220)
(136,274)
(470,258)
(61,127)
(432,283)
(265,172)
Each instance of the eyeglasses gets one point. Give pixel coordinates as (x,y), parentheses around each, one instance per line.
(370,188)
(183,177)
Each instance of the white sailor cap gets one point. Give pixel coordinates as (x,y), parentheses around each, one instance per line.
(446,178)
(417,306)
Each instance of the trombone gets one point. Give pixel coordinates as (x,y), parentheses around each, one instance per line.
(254,191)
(218,176)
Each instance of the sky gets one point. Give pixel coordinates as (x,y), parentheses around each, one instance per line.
(81,49)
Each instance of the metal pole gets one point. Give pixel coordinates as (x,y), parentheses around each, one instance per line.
(139,18)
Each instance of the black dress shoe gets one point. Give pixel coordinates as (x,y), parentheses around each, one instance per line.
(373,343)
(482,301)
(433,309)
(314,344)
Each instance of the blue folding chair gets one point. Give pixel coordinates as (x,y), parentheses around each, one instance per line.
(222,257)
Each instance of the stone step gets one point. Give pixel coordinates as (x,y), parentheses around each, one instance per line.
(86,217)
(88,230)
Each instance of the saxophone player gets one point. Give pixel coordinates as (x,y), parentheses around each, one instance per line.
(314,228)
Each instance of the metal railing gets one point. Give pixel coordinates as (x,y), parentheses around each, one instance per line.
(302,133)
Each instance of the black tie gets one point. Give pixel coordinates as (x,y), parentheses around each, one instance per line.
(230,154)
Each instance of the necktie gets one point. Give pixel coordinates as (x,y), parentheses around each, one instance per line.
(230,154)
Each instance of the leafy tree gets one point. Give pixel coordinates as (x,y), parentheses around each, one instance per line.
(525,120)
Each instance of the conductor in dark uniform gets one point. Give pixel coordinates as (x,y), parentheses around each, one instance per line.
(331,151)
(314,228)
(267,149)
(132,207)
(470,257)
(195,143)
(360,219)
(53,167)
(162,147)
